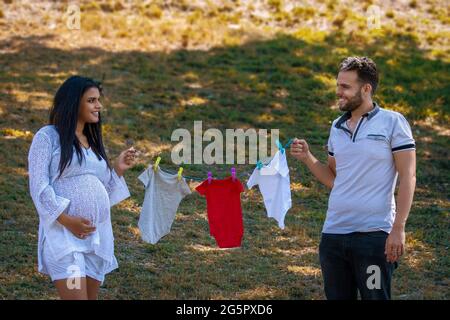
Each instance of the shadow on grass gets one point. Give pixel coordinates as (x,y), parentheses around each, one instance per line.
(283,83)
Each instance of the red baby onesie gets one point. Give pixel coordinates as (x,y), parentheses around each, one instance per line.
(223,201)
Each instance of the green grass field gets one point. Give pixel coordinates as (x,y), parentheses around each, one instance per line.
(231,64)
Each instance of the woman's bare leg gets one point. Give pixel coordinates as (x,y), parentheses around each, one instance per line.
(75,289)
(93,287)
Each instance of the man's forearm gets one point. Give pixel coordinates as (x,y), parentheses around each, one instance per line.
(322,172)
(404,201)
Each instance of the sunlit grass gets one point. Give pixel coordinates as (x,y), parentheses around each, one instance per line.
(232,66)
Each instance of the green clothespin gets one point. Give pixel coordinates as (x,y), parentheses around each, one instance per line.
(180,172)
(155,166)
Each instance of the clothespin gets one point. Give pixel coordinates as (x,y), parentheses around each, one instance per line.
(288,144)
(209,176)
(155,166)
(259,165)
(233,173)
(180,171)
(279,145)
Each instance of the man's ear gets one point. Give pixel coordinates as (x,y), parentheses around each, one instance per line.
(367,89)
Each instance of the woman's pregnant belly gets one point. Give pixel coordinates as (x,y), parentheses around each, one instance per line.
(87,195)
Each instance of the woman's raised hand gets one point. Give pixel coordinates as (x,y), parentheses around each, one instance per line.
(125,161)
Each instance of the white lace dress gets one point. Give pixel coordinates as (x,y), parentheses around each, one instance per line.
(87,190)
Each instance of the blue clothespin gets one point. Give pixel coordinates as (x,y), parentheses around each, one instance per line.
(288,144)
(259,165)
(279,145)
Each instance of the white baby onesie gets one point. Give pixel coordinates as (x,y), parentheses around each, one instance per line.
(163,194)
(274,185)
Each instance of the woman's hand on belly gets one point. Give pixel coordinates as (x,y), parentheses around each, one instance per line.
(80,227)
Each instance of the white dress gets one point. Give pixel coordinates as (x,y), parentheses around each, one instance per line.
(87,190)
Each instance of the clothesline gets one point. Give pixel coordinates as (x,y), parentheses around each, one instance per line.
(164,190)
(245,174)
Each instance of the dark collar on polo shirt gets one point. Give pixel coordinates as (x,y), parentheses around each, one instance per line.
(348,115)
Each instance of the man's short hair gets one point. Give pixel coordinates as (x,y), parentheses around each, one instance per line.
(364,67)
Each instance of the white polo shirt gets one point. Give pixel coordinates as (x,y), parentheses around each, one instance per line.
(362,198)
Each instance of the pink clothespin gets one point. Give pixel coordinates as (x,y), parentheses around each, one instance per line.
(209,176)
(233,173)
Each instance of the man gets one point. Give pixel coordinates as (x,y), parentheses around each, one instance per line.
(364,233)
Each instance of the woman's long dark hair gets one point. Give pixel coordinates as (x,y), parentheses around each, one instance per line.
(64,116)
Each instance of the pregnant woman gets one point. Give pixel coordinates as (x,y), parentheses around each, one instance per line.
(73,187)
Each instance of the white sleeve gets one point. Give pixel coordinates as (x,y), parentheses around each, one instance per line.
(185,190)
(254,179)
(402,138)
(48,205)
(144,177)
(330,144)
(282,166)
(117,188)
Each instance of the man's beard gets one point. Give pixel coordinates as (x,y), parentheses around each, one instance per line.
(353,103)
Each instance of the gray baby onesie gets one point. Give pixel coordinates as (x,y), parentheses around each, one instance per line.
(163,194)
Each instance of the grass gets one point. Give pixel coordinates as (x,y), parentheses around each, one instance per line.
(184,64)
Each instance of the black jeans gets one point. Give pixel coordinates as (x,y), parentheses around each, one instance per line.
(356,262)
